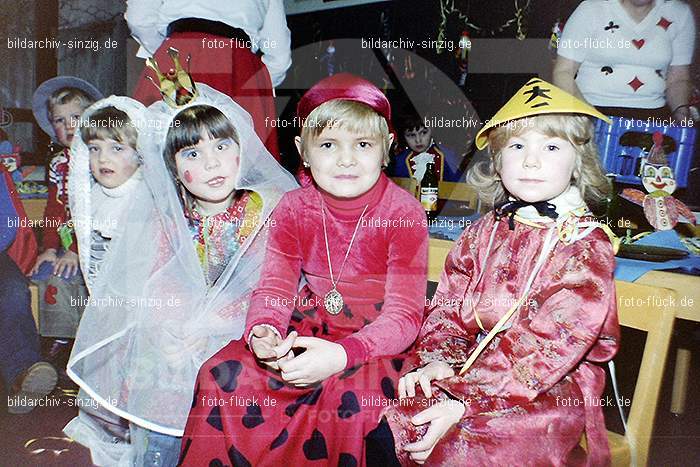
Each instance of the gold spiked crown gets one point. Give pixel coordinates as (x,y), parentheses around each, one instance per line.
(176,86)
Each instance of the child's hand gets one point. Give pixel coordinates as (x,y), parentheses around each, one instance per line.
(68,264)
(321,360)
(432,371)
(441,418)
(48,255)
(269,348)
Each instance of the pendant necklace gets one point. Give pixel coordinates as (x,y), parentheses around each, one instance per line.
(333,300)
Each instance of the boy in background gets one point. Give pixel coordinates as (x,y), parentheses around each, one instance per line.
(57,105)
(419,139)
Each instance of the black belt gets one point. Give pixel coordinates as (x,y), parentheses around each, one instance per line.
(208,26)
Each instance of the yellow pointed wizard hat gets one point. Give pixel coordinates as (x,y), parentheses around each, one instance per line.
(537,97)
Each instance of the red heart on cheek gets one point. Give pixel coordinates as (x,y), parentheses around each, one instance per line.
(50,295)
(638,43)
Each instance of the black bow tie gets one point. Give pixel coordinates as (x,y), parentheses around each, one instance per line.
(508,208)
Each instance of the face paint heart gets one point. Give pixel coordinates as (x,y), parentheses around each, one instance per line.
(50,294)
(638,43)
(188,176)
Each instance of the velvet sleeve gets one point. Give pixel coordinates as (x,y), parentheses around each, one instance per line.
(272,301)
(399,321)
(571,314)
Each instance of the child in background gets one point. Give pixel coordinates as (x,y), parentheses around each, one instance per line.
(175,288)
(105,177)
(57,105)
(419,139)
(295,389)
(27,379)
(531,285)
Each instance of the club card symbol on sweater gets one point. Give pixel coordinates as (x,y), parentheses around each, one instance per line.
(50,294)
(635,84)
(606,70)
(664,23)
(611,27)
(638,43)
(660,208)
(660,74)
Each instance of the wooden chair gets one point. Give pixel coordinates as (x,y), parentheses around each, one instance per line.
(636,310)
(437,252)
(34,297)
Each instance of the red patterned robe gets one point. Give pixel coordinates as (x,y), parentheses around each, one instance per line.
(244,414)
(535,389)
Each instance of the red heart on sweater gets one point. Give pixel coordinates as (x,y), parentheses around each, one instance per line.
(50,295)
(638,43)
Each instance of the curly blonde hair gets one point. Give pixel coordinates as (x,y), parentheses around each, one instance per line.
(588,174)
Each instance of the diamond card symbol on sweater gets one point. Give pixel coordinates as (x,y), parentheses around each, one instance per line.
(638,43)
(635,84)
(664,23)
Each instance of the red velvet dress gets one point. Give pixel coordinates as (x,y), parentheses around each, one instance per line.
(244,414)
(535,389)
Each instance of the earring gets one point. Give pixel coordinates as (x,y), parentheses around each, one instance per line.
(306,164)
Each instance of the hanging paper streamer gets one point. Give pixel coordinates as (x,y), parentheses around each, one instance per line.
(408,71)
(556,35)
(329,59)
(660,208)
(447,9)
(462,56)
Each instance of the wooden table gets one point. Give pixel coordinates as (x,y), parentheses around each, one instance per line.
(687,307)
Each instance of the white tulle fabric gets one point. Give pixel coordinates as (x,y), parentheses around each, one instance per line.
(81,183)
(152,321)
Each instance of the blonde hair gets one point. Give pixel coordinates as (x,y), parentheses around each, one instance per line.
(355,117)
(588,175)
(109,123)
(66,96)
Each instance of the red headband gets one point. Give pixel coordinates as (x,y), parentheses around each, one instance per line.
(346,87)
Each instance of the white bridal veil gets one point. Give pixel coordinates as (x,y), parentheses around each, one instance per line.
(151,320)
